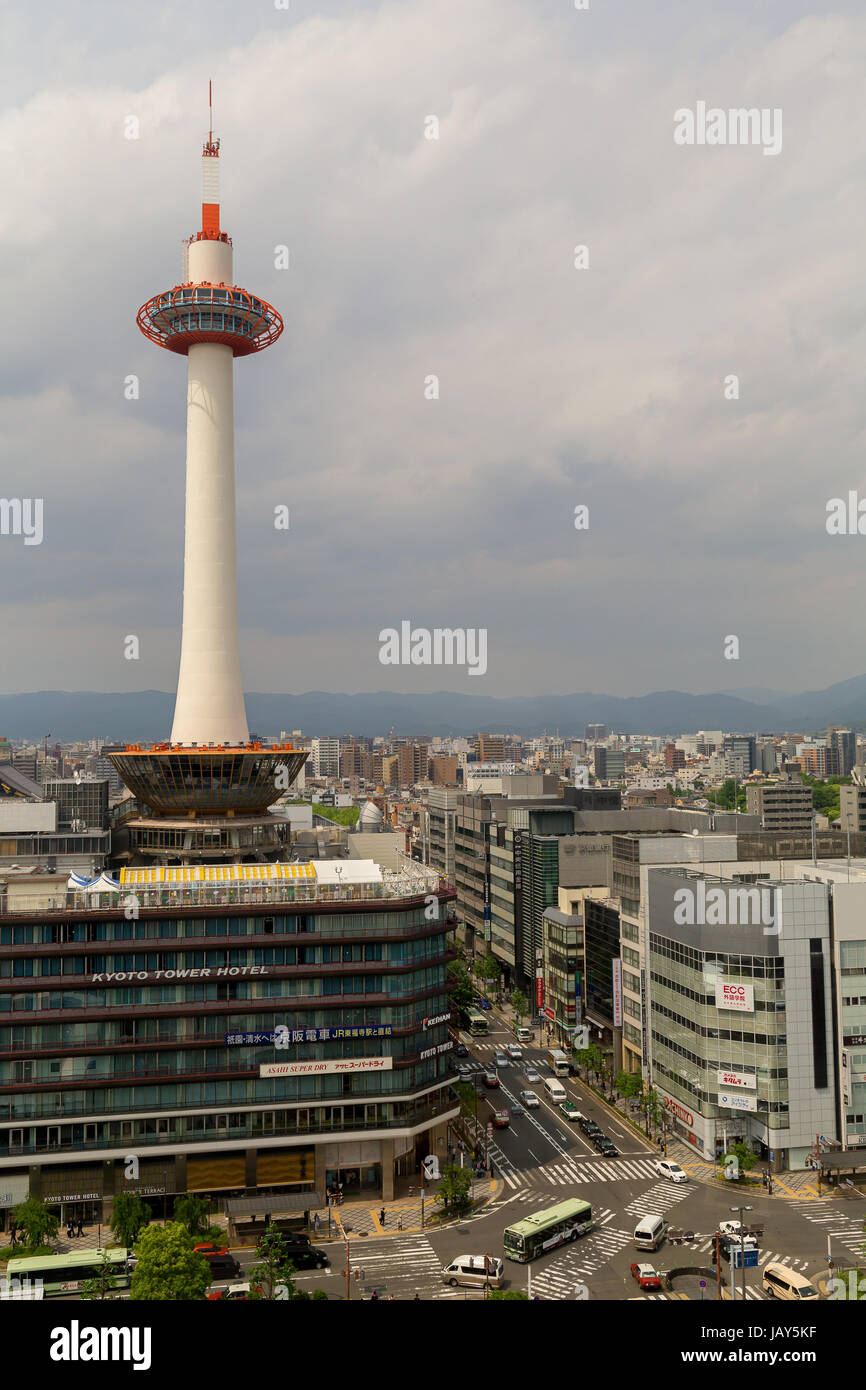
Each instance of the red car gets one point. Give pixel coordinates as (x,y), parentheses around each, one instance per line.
(646,1277)
(501,1119)
(210,1249)
(491,1079)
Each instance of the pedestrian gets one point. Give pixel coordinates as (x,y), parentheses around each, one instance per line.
(382,1217)
(70,1234)
(14,1236)
(316,1223)
(80,1231)
(399,1223)
(492,1169)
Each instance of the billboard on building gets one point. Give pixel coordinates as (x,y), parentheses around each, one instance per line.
(731,1100)
(736,1080)
(730,995)
(341,1064)
(617,993)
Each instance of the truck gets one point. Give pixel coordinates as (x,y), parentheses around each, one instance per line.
(557,1060)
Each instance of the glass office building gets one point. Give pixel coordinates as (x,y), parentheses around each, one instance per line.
(233,1035)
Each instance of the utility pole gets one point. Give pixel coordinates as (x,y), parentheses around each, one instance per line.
(348,1274)
(717,1238)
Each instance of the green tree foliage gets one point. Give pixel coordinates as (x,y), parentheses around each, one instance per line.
(168,1269)
(193,1214)
(129,1216)
(272,1275)
(340,815)
(742,1152)
(825,794)
(455,1189)
(463,991)
(103,1283)
(468,1097)
(629,1084)
(591,1059)
(519,1003)
(723,796)
(38,1224)
(510,1294)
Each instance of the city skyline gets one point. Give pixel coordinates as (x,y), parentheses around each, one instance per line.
(707,516)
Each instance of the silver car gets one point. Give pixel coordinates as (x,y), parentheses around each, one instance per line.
(531,1074)
(530,1100)
(500,1059)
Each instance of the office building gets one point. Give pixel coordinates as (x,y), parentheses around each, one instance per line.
(491,746)
(82,803)
(741,1013)
(841,751)
(675,758)
(739,751)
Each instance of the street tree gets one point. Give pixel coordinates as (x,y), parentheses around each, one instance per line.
(455,1189)
(654,1108)
(193,1214)
(468,1098)
(168,1268)
(272,1275)
(129,1216)
(629,1084)
(489,970)
(511,1294)
(742,1152)
(103,1283)
(39,1225)
(463,991)
(520,1004)
(590,1058)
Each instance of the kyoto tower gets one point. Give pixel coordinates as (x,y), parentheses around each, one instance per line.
(209,768)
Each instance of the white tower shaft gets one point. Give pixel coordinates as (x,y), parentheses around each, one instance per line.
(210,698)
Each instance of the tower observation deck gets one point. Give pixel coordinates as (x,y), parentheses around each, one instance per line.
(209,767)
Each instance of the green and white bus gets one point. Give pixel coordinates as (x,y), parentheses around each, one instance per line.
(476,1023)
(66,1273)
(547,1229)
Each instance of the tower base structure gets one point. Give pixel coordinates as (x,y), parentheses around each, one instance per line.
(207,804)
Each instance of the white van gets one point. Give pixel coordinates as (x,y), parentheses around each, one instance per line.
(524,1034)
(474,1271)
(781,1282)
(649,1232)
(555,1090)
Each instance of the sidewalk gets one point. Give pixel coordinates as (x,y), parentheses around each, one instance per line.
(402,1215)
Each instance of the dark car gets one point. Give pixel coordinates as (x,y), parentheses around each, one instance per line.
(308,1257)
(461,1050)
(608,1148)
(223,1266)
(288,1242)
(491,1079)
(588,1126)
(484,1003)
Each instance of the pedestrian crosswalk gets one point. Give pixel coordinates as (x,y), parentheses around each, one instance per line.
(564,1276)
(573,1171)
(658,1199)
(841,1228)
(402,1267)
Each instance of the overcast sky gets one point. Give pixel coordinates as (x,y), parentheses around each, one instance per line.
(454,257)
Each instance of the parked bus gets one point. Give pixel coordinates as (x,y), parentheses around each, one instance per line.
(65,1273)
(476,1023)
(547,1229)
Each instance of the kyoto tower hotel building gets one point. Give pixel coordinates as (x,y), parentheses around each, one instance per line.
(251,1030)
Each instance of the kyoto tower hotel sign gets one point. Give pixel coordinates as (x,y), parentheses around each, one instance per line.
(208,767)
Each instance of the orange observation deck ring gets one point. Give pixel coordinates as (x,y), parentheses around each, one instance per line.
(203,313)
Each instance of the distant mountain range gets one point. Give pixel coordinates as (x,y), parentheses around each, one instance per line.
(147,714)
